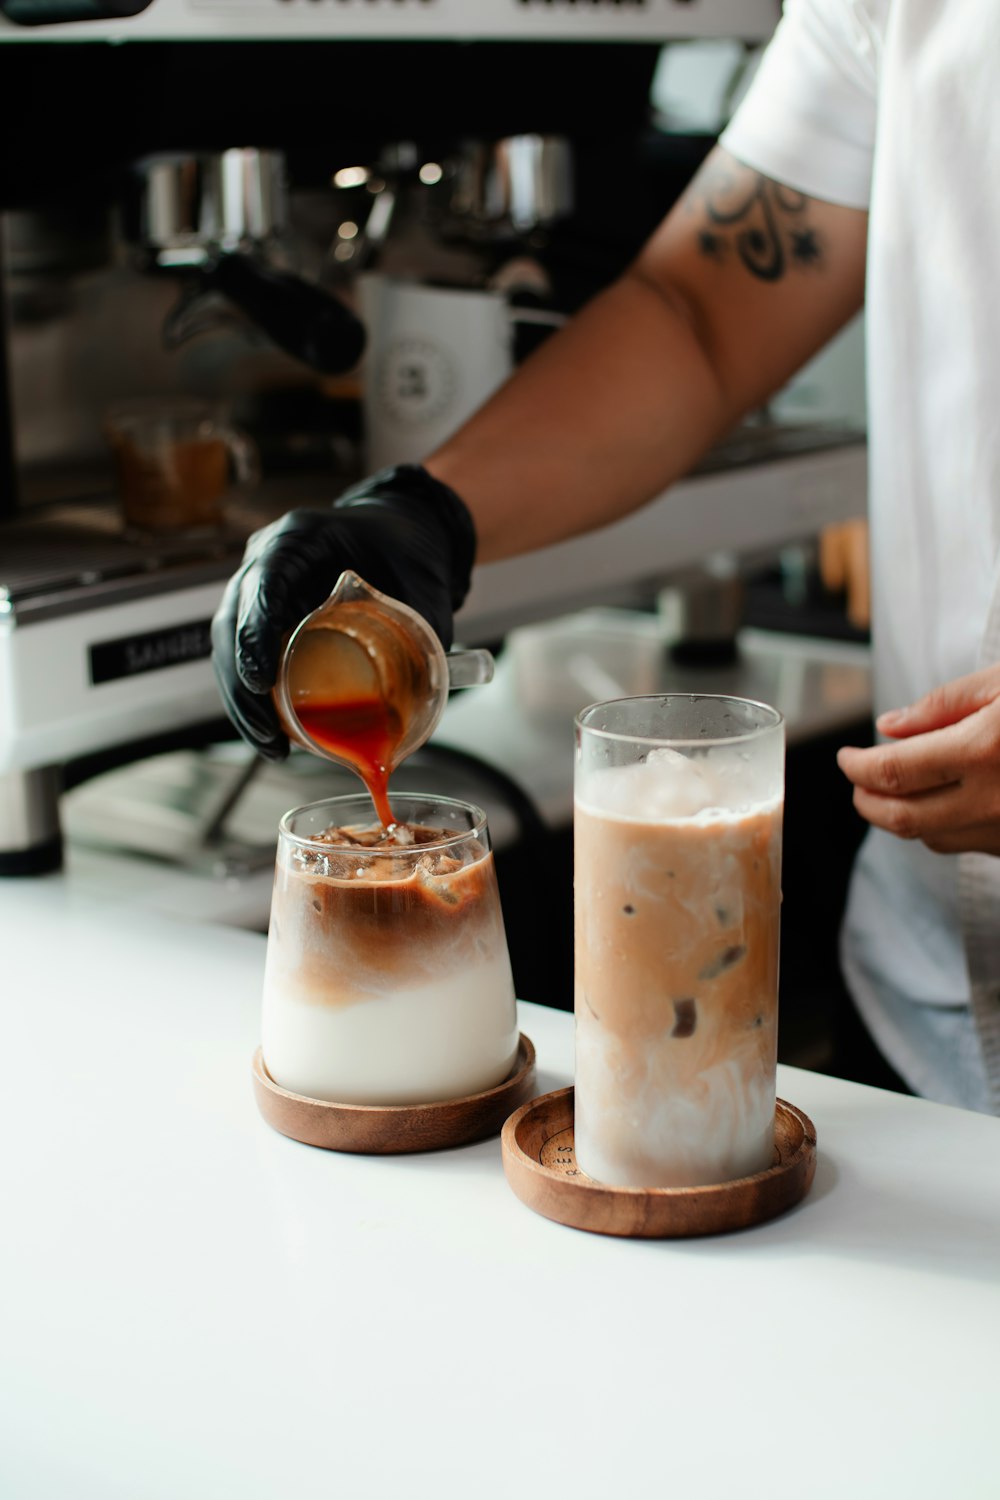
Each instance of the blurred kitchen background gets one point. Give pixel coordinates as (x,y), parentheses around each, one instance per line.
(340,225)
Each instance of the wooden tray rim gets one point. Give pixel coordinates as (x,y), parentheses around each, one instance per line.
(524,1061)
(393,1128)
(801,1161)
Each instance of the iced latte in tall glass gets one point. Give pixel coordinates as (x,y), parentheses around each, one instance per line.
(677,890)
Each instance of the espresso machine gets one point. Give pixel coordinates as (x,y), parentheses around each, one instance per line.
(105,633)
(433,188)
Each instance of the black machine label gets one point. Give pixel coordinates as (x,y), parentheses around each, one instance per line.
(129,655)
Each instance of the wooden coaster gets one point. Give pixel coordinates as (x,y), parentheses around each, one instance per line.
(539,1160)
(383,1130)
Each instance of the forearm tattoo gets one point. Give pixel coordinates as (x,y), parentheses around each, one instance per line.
(766,226)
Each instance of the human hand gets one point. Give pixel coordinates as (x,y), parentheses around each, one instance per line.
(402,531)
(939,780)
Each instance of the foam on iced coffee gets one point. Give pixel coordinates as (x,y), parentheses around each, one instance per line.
(387,979)
(677,896)
(669,785)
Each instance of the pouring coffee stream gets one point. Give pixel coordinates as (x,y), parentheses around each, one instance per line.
(364,680)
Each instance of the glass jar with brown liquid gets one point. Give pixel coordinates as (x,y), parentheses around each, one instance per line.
(178,462)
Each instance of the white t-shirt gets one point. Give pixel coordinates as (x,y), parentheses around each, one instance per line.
(893,105)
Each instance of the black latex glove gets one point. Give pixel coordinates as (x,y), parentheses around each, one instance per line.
(402,531)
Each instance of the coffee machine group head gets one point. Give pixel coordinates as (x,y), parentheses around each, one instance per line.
(216,221)
(444,334)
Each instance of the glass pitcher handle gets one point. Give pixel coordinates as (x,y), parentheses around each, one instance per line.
(469,668)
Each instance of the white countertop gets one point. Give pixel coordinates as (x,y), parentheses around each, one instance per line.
(194,1306)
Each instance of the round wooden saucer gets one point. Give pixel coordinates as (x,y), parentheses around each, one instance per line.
(540,1163)
(386,1129)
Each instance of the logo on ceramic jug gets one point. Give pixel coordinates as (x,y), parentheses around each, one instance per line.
(416,380)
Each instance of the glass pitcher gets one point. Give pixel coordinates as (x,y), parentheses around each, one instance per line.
(363,680)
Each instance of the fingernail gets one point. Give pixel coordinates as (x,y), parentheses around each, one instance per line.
(890,717)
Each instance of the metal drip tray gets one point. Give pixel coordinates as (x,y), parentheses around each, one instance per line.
(62,558)
(65,558)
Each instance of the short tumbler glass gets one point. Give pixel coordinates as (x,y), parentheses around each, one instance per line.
(387,979)
(677,891)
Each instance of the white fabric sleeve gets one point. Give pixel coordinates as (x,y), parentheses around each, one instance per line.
(808,118)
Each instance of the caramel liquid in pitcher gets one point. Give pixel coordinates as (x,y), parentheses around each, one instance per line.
(363,731)
(356,690)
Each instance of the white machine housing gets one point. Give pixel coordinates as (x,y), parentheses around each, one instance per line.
(55,707)
(440,20)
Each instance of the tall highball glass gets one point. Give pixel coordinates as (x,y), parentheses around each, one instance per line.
(677,886)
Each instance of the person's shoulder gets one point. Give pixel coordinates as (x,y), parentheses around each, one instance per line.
(874,12)
(863,20)
(846,33)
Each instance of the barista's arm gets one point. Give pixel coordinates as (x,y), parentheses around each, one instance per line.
(742,283)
